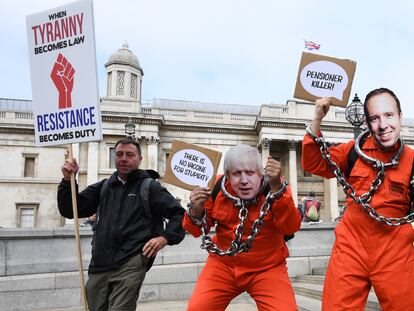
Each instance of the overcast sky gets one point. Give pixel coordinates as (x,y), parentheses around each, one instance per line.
(231,51)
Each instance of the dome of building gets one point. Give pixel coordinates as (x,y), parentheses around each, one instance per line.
(124,56)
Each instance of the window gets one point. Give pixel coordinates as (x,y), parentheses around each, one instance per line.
(109,84)
(307,174)
(29,165)
(27,215)
(133,92)
(120,83)
(112,157)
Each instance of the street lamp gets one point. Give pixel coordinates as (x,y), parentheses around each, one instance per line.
(130,129)
(354,114)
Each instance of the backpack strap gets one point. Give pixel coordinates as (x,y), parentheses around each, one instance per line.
(102,194)
(352,157)
(144,195)
(217,188)
(104,189)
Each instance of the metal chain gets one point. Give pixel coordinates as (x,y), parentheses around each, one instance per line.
(258,224)
(364,199)
(237,246)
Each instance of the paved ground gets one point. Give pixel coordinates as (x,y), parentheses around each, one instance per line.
(179,305)
(242,303)
(182,306)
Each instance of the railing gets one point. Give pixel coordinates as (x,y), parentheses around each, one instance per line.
(207,115)
(24,115)
(8,104)
(18,116)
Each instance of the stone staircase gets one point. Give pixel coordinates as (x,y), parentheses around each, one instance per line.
(39,269)
(308,291)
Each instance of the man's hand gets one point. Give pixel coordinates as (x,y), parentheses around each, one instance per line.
(153,246)
(198,197)
(63,77)
(322,106)
(70,166)
(273,171)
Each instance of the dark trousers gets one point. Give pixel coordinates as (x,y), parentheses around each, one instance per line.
(117,290)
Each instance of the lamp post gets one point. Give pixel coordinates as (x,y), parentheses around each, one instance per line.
(130,129)
(354,114)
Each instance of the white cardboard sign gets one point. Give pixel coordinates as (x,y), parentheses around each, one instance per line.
(190,166)
(320,76)
(62,56)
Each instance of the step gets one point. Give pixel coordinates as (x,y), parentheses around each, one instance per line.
(319,271)
(314,291)
(308,304)
(312,279)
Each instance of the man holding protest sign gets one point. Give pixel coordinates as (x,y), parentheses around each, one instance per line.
(258,205)
(374,240)
(129,232)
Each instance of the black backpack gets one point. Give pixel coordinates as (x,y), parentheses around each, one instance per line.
(266,190)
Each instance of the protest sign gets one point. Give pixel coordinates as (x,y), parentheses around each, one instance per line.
(66,106)
(320,76)
(62,56)
(190,166)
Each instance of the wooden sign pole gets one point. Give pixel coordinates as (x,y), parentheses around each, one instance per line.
(76,226)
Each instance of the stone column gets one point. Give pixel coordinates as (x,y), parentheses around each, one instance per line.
(152,152)
(333,198)
(264,145)
(93,163)
(75,152)
(293,172)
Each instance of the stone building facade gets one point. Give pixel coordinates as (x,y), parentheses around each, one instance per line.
(29,175)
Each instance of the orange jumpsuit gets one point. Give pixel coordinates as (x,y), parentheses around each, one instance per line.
(367,253)
(261,272)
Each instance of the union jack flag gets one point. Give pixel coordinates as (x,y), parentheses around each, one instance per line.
(309,45)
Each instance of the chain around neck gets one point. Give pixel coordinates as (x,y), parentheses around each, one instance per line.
(375,162)
(236,200)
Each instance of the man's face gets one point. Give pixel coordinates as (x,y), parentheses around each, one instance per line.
(127,159)
(384,120)
(245,181)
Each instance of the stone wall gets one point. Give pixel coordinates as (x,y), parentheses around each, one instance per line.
(39,269)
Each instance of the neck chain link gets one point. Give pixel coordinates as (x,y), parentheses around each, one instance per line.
(375,162)
(364,199)
(237,246)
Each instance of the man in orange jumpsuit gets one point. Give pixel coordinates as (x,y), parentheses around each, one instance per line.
(261,271)
(367,252)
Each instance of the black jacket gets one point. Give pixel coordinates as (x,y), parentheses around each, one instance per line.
(123,227)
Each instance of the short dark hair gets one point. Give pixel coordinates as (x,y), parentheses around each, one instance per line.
(312,193)
(128,141)
(376,92)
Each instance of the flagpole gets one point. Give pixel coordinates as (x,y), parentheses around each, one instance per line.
(76,225)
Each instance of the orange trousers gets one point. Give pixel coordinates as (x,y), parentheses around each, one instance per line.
(218,284)
(382,261)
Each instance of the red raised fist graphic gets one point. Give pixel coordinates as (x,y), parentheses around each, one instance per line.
(63,77)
